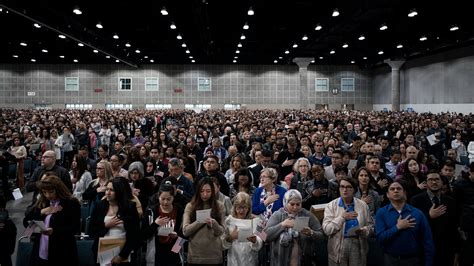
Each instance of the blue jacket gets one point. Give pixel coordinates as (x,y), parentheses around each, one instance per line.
(406,242)
(258,207)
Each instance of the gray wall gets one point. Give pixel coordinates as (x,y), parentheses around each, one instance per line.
(251,86)
(437,83)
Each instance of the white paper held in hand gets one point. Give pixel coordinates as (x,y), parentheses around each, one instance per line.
(202,215)
(300,223)
(41,225)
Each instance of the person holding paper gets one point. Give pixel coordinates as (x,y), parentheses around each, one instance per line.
(115,217)
(347,223)
(241,252)
(205,245)
(162,225)
(291,231)
(60,213)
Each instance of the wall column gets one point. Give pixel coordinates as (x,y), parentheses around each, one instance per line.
(395,65)
(303,63)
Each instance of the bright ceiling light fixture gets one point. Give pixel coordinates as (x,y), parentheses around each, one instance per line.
(116,36)
(237,51)
(38,26)
(321,57)
(187,51)
(275,61)
(234,61)
(239,45)
(152,61)
(179,37)
(295,45)
(128,45)
(361,37)
(75,60)
(305,38)
(365,57)
(99,25)
(23,44)
(380,52)
(335,13)
(33,60)
(107,56)
(280,57)
(191,57)
(61,36)
(383,27)
(80,44)
(77,11)
(95,51)
(246,26)
(242,37)
(236,57)
(312,61)
(137,51)
(173,26)
(332,52)
(193,61)
(345,45)
(353,62)
(318,27)
(412,13)
(250,12)
(400,46)
(164,12)
(423,38)
(183,45)
(15,56)
(117,61)
(44,51)
(61,56)
(287,52)
(454,28)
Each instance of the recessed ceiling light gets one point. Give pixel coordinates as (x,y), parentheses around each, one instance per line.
(15,56)
(242,37)
(412,13)
(295,45)
(321,57)
(80,44)
(365,57)
(335,13)
(246,26)
(44,51)
(239,45)
(236,57)
(345,45)
(179,37)
(250,12)
(353,62)
(193,61)
(234,61)
(399,46)
(62,36)
(312,61)
(23,44)
(332,52)
(164,12)
(361,37)
(115,36)
(383,27)
(107,56)
(33,60)
(95,51)
(423,38)
(304,38)
(37,25)
(75,60)
(77,11)
(117,61)
(128,45)
(454,28)
(287,52)
(99,25)
(187,51)
(191,57)
(280,57)
(275,61)
(183,45)
(61,56)
(173,26)
(237,51)
(152,61)
(146,56)
(318,27)
(137,51)
(380,52)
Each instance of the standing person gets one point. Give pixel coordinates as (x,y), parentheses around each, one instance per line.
(288,246)
(205,245)
(403,231)
(96,189)
(7,235)
(142,187)
(441,212)
(66,143)
(61,214)
(80,176)
(346,245)
(366,190)
(116,216)
(163,213)
(243,183)
(246,252)
(20,153)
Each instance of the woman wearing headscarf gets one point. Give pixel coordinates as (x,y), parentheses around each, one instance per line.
(291,245)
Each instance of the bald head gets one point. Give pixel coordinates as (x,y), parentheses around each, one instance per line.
(411,152)
(48,159)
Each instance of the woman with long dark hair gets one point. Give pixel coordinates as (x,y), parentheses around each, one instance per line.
(116,216)
(61,214)
(80,176)
(243,183)
(205,245)
(365,191)
(412,178)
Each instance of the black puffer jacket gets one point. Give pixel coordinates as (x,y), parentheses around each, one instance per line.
(464,194)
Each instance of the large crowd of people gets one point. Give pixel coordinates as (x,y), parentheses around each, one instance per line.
(237,187)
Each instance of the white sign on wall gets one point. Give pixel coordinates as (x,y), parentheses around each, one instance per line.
(31,93)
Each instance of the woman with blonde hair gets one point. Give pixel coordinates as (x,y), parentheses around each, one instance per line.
(241,252)
(96,189)
(61,214)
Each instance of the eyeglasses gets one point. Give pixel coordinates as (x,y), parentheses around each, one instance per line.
(241,208)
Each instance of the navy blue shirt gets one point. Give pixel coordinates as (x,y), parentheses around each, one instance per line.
(404,242)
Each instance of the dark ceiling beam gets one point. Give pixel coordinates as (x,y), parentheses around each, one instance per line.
(132,64)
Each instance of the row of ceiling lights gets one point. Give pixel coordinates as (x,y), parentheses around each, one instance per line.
(383,27)
(165,12)
(246,26)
